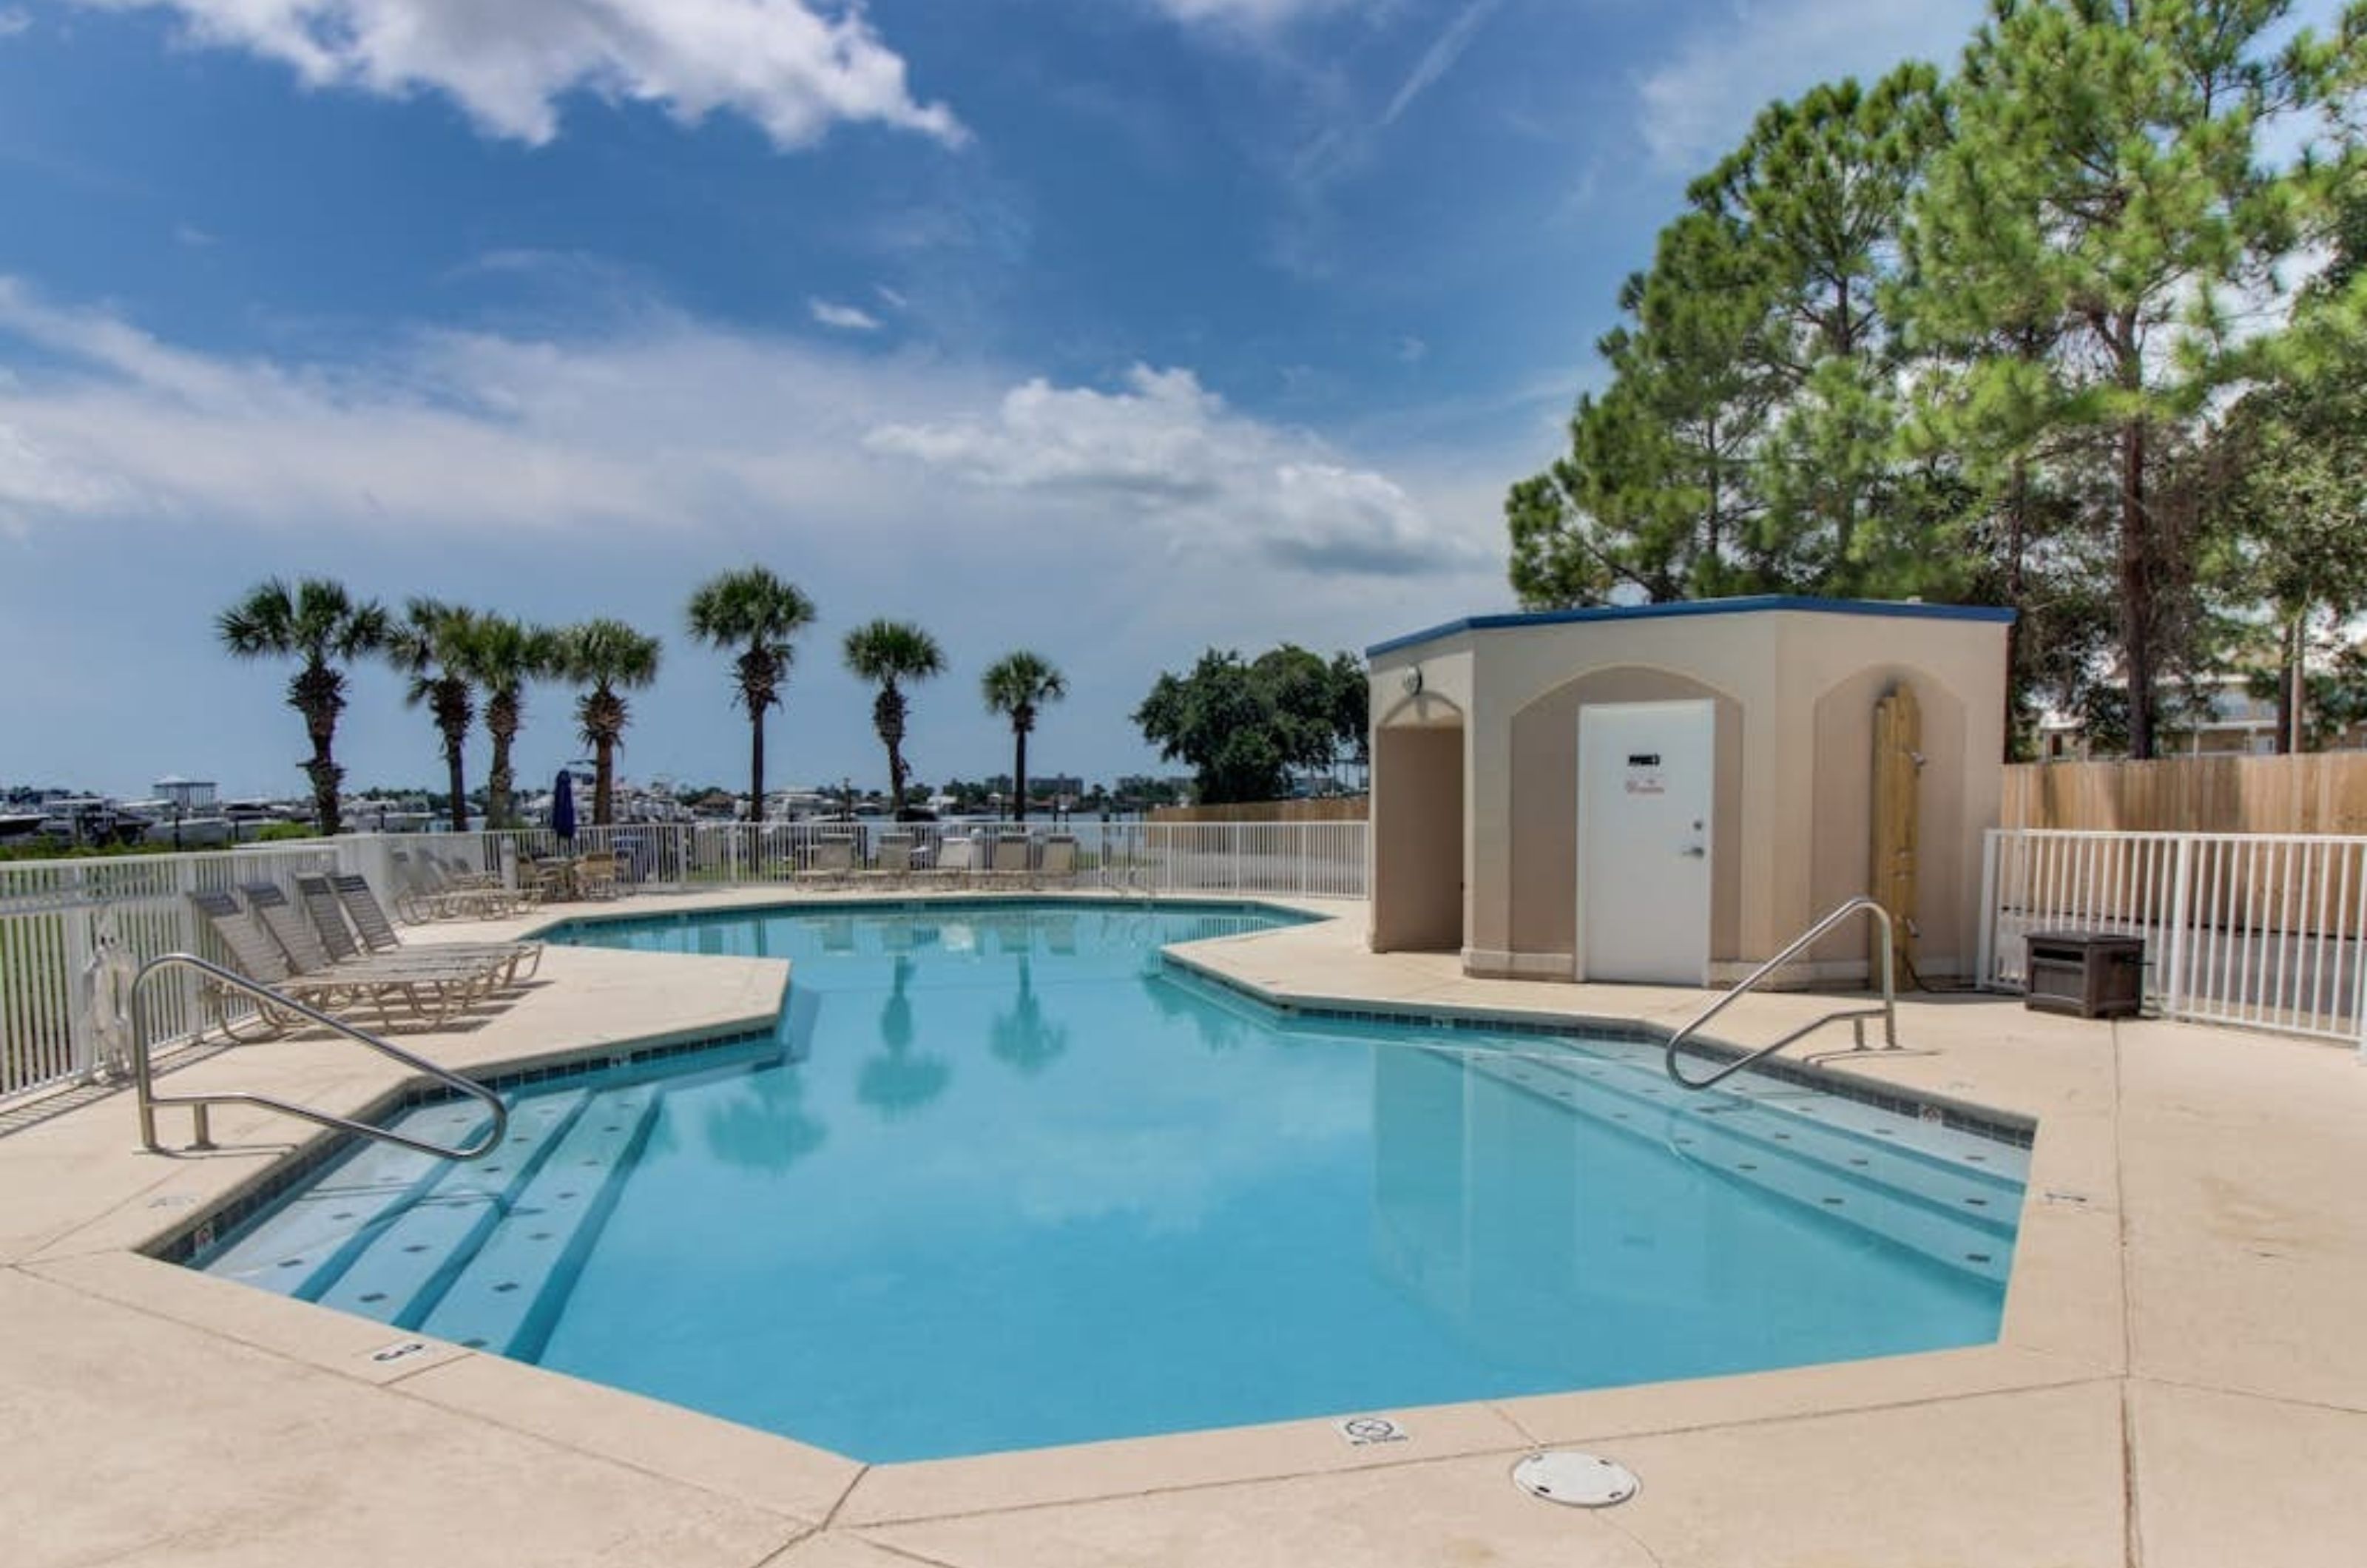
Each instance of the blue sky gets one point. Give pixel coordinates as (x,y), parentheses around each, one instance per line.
(1112,328)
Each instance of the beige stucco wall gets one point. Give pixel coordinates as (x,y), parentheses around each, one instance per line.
(1543,887)
(1422,832)
(1794,690)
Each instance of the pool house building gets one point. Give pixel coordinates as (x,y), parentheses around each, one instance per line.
(1670,793)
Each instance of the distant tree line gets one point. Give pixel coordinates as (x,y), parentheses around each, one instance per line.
(463,662)
(1247,727)
(2072,330)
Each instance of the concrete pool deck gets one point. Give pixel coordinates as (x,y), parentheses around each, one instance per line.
(2180,1379)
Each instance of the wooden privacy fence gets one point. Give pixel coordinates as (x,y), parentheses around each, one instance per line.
(2322,792)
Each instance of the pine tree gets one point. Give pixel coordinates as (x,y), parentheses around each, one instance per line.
(2103,194)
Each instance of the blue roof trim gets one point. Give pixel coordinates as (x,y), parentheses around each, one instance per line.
(1992,614)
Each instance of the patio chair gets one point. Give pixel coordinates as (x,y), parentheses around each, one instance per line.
(459,872)
(423,892)
(545,879)
(257,958)
(348,894)
(597,875)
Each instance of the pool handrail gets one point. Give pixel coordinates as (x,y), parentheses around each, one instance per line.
(1887,1011)
(143,1074)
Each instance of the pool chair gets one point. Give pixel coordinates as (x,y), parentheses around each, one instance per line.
(423,892)
(299,937)
(1009,865)
(459,872)
(831,863)
(956,862)
(894,865)
(258,958)
(345,900)
(1059,863)
(543,879)
(599,876)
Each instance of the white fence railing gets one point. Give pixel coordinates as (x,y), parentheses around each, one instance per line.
(1318,859)
(53,913)
(2262,931)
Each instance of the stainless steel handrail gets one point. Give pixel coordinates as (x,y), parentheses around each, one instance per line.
(144,1076)
(1887,1011)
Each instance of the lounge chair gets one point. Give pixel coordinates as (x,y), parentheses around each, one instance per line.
(832,863)
(423,892)
(957,860)
(1010,862)
(459,872)
(299,937)
(256,956)
(895,863)
(1059,863)
(334,901)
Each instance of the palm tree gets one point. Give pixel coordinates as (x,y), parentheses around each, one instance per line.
(318,622)
(1017,685)
(891,653)
(611,659)
(1023,1037)
(503,655)
(432,645)
(756,613)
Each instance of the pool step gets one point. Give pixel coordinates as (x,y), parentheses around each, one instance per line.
(291,1247)
(1964,1220)
(509,1291)
(1937,1162)
(398,1270)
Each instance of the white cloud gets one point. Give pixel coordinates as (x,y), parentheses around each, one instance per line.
(1411,350)
(1170,452)
(794,67)
(14,20)
(845,318)
(194,238)
(668,424)
(1696,107)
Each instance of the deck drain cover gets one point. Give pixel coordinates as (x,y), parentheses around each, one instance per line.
(1580,1481)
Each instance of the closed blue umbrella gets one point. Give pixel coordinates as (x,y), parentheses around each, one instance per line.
(562,807)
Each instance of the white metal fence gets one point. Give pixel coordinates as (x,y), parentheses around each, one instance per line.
(52,913)
(1317,860)
(2263,930)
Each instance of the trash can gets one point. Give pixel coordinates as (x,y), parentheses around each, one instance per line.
(2085,974)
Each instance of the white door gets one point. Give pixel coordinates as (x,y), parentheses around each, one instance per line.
(1645,777)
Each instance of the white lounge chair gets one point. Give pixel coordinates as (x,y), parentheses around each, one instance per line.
(1059,863)
(1010,862)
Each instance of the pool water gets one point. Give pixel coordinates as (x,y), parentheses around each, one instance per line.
(1002,1179)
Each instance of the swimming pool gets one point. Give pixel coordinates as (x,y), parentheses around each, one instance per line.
(1003,1180)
